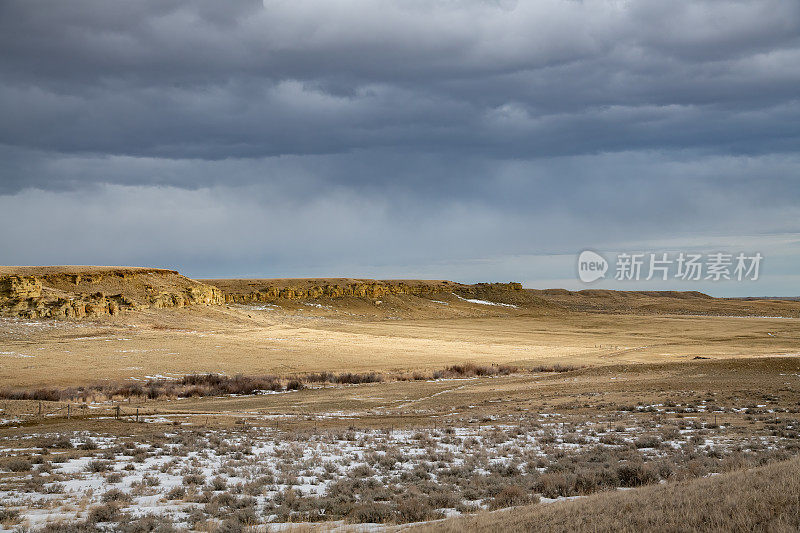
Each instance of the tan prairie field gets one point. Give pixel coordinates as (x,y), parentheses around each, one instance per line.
(378,404)
(290,337)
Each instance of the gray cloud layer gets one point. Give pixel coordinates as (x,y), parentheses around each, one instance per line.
(450,133)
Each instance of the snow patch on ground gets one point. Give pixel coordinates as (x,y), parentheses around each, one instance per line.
(484,302)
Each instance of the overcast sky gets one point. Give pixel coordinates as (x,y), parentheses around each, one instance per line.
(469,140)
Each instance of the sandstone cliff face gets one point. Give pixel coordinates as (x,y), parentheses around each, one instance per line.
(202,294)
(58,292)
(371,289)
(77,292)
(20,287)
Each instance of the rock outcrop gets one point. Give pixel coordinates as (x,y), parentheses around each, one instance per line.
(201,294)
(253,291)
(77,292)
(20,287)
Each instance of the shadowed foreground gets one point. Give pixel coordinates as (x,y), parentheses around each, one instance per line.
(761,499)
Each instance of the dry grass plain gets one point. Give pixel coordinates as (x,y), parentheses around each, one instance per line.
(400,334)
(656,395)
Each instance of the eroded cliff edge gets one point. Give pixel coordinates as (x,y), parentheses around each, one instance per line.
(77,292)
(90,291)
(267,290)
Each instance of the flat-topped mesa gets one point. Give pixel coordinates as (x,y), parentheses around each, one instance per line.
(90,291)
(265,290)
(78,291)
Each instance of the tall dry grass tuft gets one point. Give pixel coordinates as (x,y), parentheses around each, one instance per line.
(761,499)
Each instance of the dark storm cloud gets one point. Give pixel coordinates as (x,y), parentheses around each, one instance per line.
(392,137)
(214,80)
